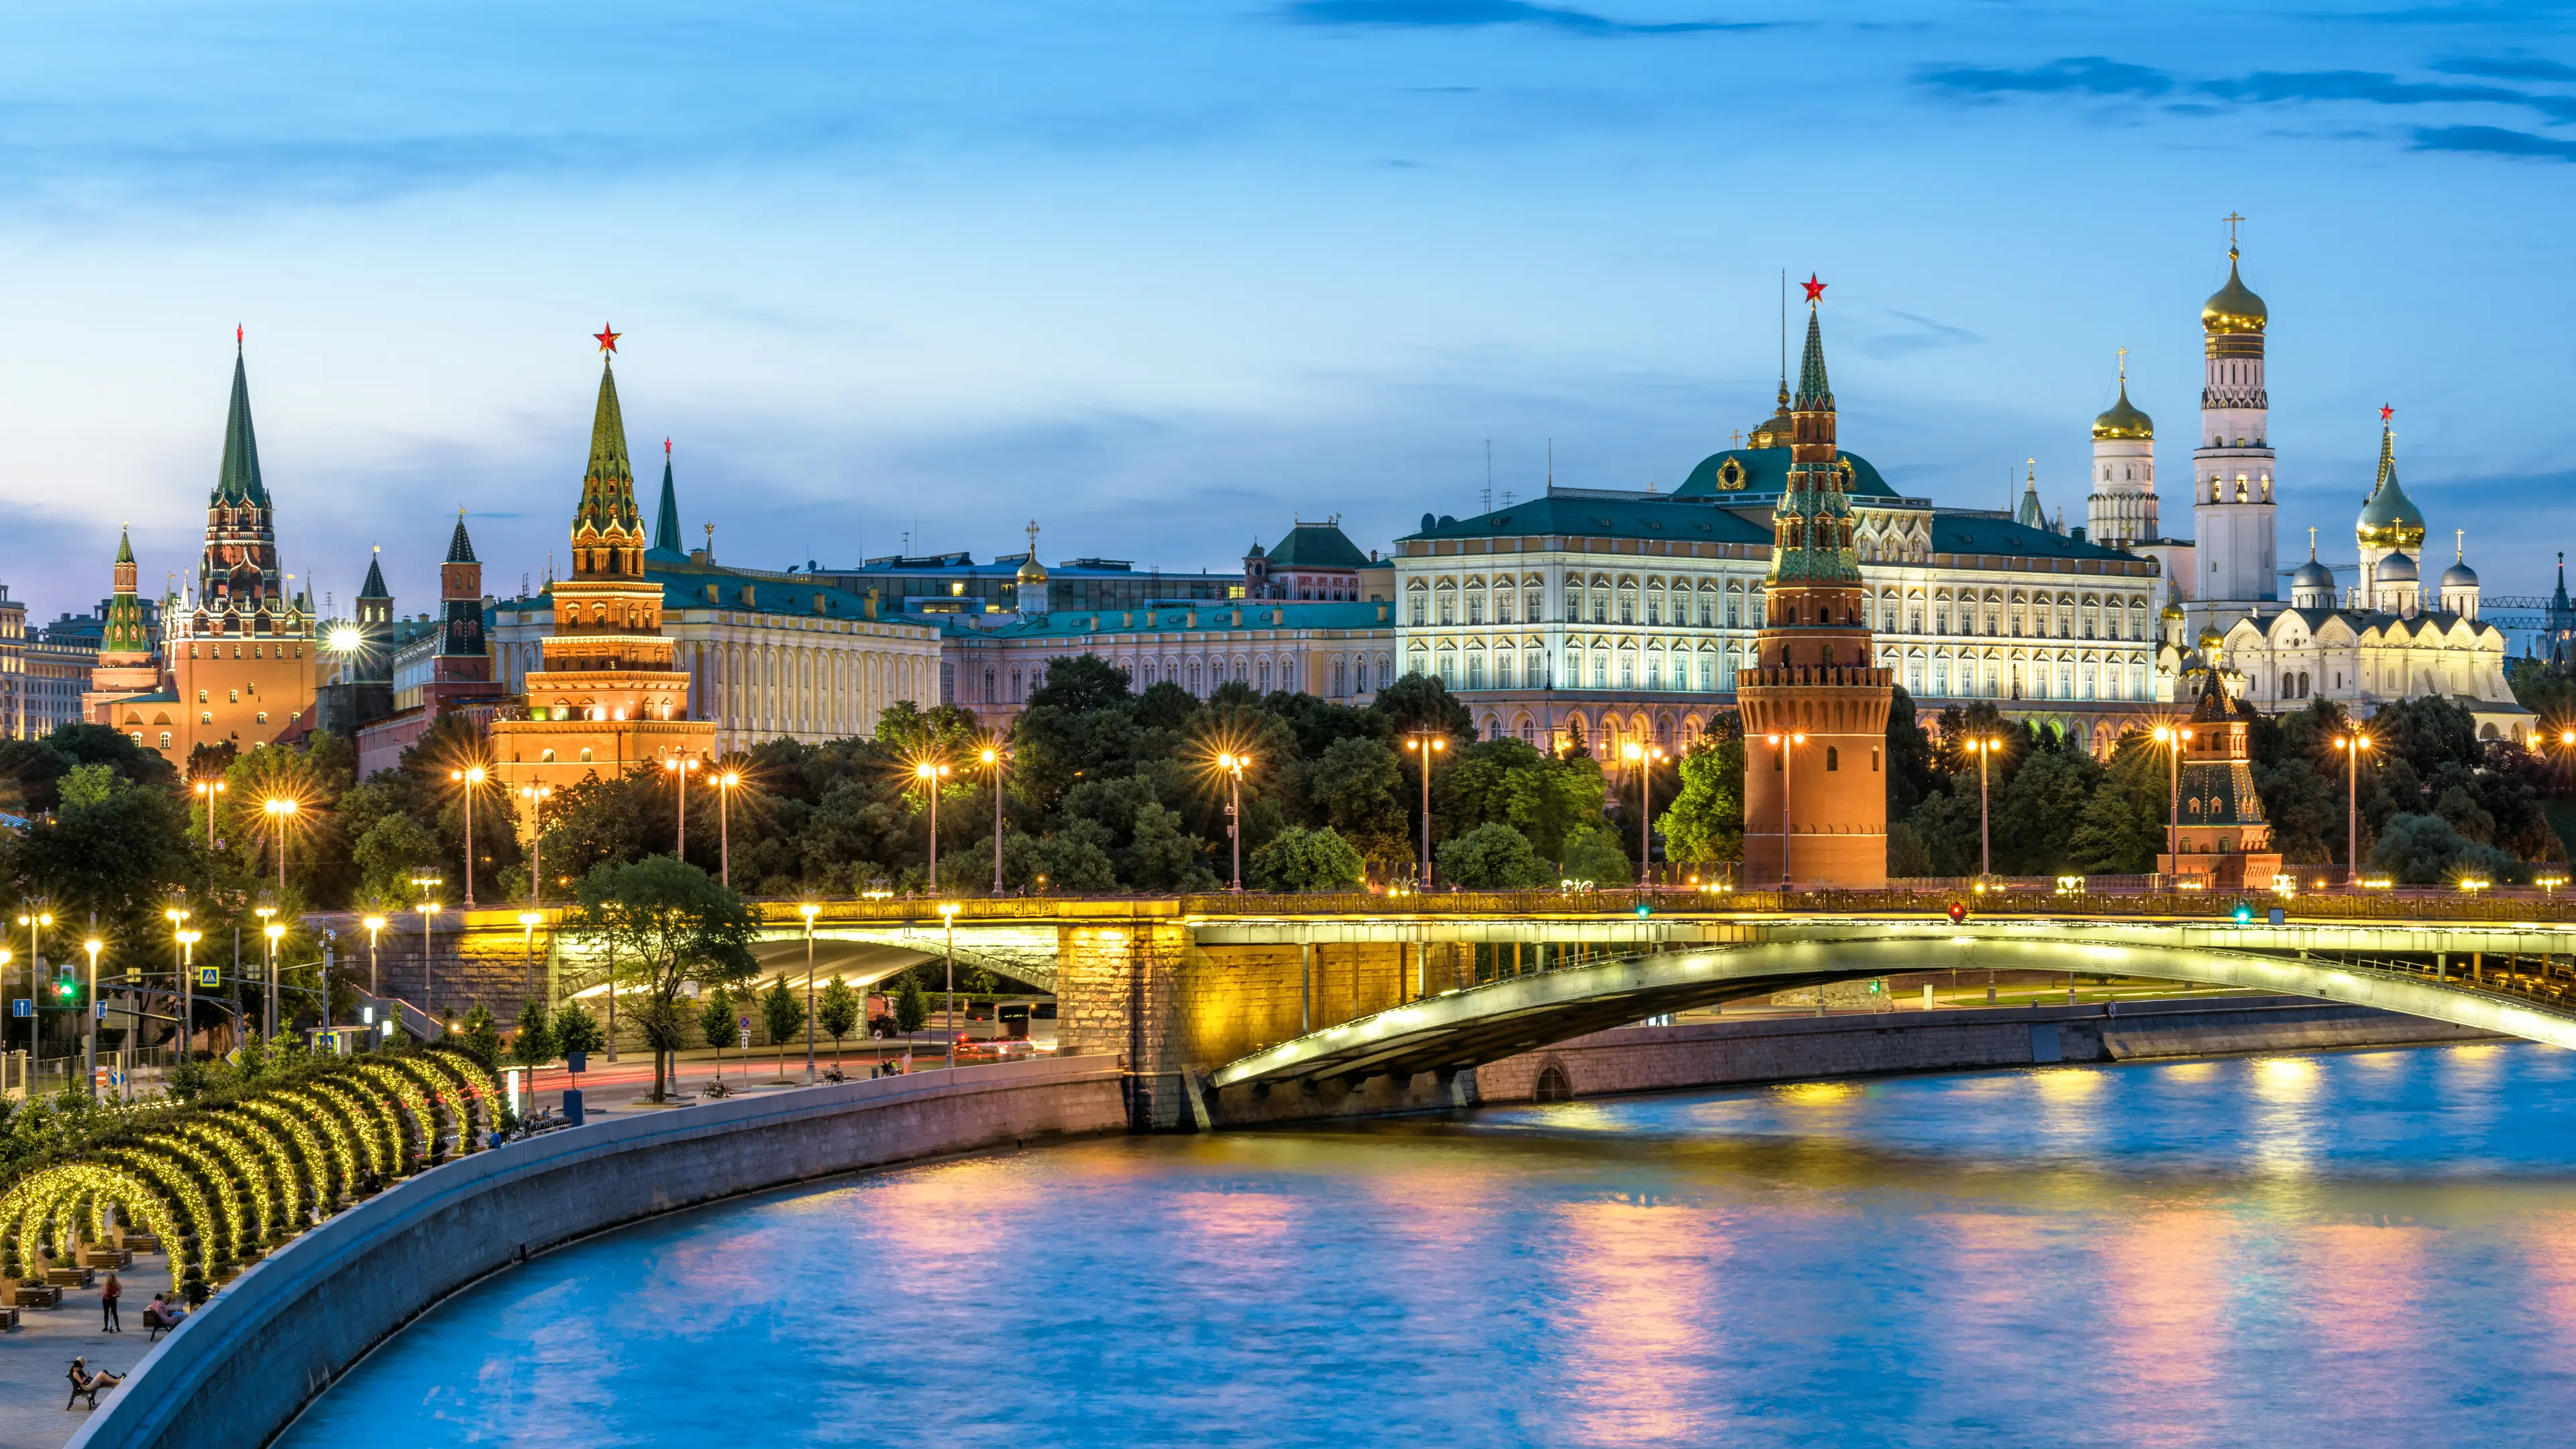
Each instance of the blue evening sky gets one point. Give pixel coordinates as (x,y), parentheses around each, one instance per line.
(1162,275)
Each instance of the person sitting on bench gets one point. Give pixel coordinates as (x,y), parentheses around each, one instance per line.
(85,1385)
(161,1315)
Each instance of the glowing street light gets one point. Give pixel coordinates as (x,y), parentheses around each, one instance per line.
(1643,757)
(471,777)
(276,932)
(726,783)
(177,916)
(35,922)
(207,790)
(930,773)
(536,796)
(948,1022)
(428,907)
(280,809)
(809,910)
(1984,748)
(2352,743)
(995,757)
(1429,744)
(678,765)
(1232,764)
(1782,744)
(375,925)
(2173,738)
(187,989)
(90,1007)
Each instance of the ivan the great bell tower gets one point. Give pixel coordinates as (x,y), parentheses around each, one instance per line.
(1815,710)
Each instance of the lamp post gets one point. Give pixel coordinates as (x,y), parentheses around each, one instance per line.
(995,756)
(276,933)
(471,777)
(269,1016)
(536,796)
(1782,743)
(1984,747)
(528,921)
(187,991)
(1233,764)
(679,765)
(930,773)
(427,908)
(1643,758)
(808,911)
(725,784)
(2352,744)
(2172,738)
(278,811)
(948,1025)
(35,922)
(178,919)
(374,925)
(89,1008)
(1426,743)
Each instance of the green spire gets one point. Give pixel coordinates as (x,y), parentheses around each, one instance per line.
(1815,395)
(239,483)
(666,520)
(125,546)
(608,488)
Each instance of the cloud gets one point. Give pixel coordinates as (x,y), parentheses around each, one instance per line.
(2493,141)
(2085,75)
(1925,335)
(2521,68)
(1463,14)
(2377,88)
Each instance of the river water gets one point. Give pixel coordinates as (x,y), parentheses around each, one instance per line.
(2363,1248)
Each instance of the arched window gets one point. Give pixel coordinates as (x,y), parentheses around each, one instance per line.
(1833,758)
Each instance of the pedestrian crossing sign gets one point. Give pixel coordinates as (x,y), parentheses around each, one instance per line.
(210,976)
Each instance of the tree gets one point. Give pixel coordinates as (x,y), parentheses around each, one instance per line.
(782,1015)
(534,1043)
(1910,772)
(2122,828)
(480,1035)
(1705,823)
(837,1012)
(1493,856)
(1081,683)
(1358,787)
(1593,854)
(2424,850)
(660,922)
(576,1030)
(2037,816)
(911,1007)
(1422,702)
(1299,859)
(716,1023)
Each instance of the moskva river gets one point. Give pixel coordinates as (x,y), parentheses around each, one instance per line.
(2370,1248)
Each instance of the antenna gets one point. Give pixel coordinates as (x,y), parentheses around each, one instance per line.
(1487,497)
(1784,329)
(1551,465)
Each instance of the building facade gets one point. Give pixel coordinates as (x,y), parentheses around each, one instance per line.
(1343,652)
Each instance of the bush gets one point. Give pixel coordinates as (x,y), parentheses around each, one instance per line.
(1492,857)
(911,1008)
(1592,854)
(2425,850)
(715,1019)
(576,1030)
(481,1035)
(534,1043)
(1299,859)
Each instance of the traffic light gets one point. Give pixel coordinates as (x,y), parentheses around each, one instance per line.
(2244,914)
(67,986)
(1958,912)
(1644,909)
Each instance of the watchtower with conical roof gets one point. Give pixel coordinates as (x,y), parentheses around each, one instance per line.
(127,662)
(1815,706)
(610,693)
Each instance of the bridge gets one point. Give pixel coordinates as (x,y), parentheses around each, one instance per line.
(1215,1002)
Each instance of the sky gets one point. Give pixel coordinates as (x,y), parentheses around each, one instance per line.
(1163,277)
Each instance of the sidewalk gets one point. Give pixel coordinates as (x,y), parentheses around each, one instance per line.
(32,1360)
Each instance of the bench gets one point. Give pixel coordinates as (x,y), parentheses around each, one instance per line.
(39,1295)
(141,1243)
(9,1318)
(108,1258)
(70,1277)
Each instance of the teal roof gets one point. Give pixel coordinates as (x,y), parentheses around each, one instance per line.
(1765,471)
(1667,517)
(238,481)
(1316,546)
(666,519)
(1815,395)
(1216,616)
(1969,533)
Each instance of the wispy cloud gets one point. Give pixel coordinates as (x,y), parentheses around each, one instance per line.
(1922,334)
(2379,89)
(2511,67)
(2082,75)
(2097,76)
(1431,14)
(2493,141)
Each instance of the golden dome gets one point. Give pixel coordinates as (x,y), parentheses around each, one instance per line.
(2233,308)
(1032,572)
(2173,609)
(2122,420)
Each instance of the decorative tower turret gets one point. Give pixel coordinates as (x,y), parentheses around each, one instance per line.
(462,667)
(2390,524)
(2233,514)
(1030,595)
(2122,508)
(1815,707)
(372,662)
(126,665)
(2225,840)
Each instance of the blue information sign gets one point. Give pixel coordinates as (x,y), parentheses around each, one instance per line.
(210,976)
(22,1007)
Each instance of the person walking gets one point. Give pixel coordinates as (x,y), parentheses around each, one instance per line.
(107,1297)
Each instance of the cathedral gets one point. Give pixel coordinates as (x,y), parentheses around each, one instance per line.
(2384,637)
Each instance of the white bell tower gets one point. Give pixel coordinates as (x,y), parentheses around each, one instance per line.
(2233,514)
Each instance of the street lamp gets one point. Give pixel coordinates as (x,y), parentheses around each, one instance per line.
(1427,743)
(471,777)
(1232,764)
(374,925)
(930,773)
(278,810)
(427,907)
(536,796)
(679,765)
(809,910)
(2173,737)
(1782,743)
(725,785)
(1983,747)
(187,990)
(948,1019)
(995,757)
(177,916)
(276,933)
(528,921)
(2352,743)
(1643,758)
(35,922)
(89,1006)
(207,790)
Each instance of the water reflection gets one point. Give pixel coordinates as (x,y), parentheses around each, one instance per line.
(2374,1248)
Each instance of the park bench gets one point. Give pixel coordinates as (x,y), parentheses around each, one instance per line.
(8,1318)
(39,1295)
(70,1277)
(108,1258)
(141,1243)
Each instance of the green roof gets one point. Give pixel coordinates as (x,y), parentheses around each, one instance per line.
(1815,395)
(1317,546)
(608,484)
(2388,505)
(1667,517)
(1968,533)
(1214,616)
(238,481)
(666,519)
(1765,471)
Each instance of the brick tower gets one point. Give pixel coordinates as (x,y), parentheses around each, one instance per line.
(462,667)
(1815,710)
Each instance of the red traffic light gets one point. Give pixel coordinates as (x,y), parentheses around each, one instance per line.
(1958,912)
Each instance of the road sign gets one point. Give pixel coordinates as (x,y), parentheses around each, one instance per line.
(101,1008)
(210,976)
(22,1007)
(746,1036)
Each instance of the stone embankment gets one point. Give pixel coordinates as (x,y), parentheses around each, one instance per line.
(239,1370)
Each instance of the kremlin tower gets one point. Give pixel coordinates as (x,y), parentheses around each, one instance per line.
(2233,515)
(127,670)
(1815,706)
(2390,532)
(609,695)
(2122,509)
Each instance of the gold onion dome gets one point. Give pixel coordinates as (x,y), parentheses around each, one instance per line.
(2234,307)
(2173,609)
(2389,519)
(1032,572)
(2123,420)
(2210,638)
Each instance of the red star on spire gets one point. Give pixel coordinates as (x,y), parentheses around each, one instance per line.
(606,337)
(2386,412)
(237,334)
(1815,289)
(666,447)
